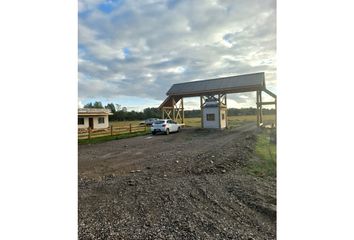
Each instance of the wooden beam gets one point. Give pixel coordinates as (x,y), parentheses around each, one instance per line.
(270,93)
(267,103)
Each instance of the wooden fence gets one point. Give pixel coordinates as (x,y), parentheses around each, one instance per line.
(88,133)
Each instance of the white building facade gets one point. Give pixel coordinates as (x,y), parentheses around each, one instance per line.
(93,118)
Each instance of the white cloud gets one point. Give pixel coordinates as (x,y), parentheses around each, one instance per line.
(132,52)
(80,105)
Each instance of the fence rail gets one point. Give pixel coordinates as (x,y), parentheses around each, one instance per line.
(88,133)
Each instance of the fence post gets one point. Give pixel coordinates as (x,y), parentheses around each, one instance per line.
(130,128)
(111,130)
(89,133)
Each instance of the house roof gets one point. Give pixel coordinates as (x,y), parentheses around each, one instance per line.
(232,84)
(94,112)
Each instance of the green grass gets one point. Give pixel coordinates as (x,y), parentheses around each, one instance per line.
(234,121)
(110,138)
(125,123)
(265,164)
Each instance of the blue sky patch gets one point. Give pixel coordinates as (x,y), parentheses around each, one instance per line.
(110,5)
(105,7)
(127,52)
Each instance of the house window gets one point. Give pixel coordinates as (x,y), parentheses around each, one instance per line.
(101,120)
(210,117)
(81,121)
(222,116)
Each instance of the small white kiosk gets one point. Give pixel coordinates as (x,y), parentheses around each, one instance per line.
(214,113)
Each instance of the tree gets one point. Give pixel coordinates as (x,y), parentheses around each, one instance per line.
(152,113)
(118,107)
(111,107)
(97,105)
(88,105)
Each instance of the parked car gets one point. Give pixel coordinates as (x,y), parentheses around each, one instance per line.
(149,121)
(164,126)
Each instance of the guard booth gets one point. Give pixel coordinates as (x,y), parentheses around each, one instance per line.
(212,93)
(214,112)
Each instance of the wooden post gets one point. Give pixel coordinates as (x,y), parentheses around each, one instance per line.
(182,111)
(163,113)
(260,108)
(257,108)
(226,113)
(219,117)
(275,120)
(173,109)
(111,130)
(130,128)
(201,111)
(89,133)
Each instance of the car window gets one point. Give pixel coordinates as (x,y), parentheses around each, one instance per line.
(159,122)
(169,121)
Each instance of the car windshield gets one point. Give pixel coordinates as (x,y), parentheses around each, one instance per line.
(159,122)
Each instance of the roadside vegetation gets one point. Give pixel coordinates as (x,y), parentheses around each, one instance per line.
(264,163)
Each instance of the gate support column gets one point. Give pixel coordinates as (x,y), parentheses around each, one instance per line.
(182,111)
(257,112)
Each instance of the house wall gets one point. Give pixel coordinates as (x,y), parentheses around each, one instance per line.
(96,125)
(86,123)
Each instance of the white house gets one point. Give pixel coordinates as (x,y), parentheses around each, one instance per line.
(95,118)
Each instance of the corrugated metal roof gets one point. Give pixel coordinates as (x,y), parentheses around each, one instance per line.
(233,84)
(93,111)
(225,84)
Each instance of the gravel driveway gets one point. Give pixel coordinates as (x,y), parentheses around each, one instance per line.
(187,185)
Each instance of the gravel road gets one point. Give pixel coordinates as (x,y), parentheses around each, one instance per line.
(187,185)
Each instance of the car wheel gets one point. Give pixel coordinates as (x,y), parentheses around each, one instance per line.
(178,129)
(167,131)
(153,133)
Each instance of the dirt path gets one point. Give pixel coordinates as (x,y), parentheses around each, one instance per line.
(188,185)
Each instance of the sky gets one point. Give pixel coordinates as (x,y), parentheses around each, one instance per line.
(131,52)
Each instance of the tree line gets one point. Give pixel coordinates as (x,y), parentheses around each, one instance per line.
(121,114)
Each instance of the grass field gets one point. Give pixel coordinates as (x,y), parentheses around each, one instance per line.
(233,120)
(265,165)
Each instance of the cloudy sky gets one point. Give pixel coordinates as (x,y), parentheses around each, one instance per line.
(131,52)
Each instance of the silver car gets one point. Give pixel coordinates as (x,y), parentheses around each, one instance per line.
(164,126)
